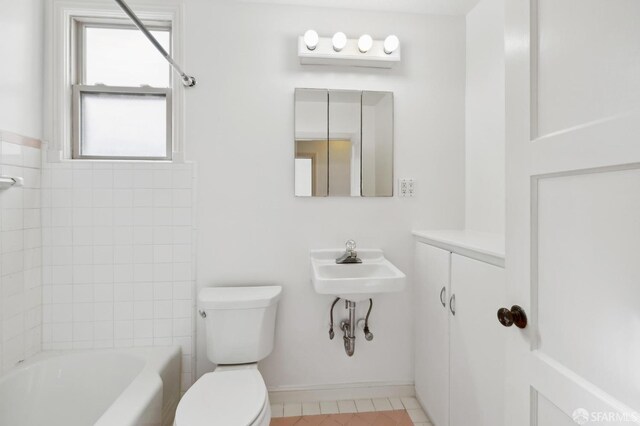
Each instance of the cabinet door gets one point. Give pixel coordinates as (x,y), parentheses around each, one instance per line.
(477,344)
(432,331)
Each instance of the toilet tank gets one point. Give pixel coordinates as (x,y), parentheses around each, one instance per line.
(239,323)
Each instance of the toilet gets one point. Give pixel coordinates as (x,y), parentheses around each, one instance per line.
(239,326)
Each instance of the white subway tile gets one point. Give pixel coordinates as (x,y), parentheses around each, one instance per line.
(123,198)
(143,198)
(103,216)
(142,235)
(122,273)
(103,311)
(143,291)
(143,329)
(83,293)
(142,310)
(82,178)
(143,179)
(181,326)
(181,197)
(162,179)
(82,197)
(123,178)
(103,331)
(102,273)
(123,330)
(162,272)
(182,308)
(123,235)
(162,328)
(102,197)
(123,292)
(143,254)
(162,309)
(102,178)
(103,292)
(61,198)
(123,311)
(83,312)
(162,198)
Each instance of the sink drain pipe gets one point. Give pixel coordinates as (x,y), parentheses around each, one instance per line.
(349,328)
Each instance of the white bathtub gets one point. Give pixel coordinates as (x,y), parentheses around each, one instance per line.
(104,388)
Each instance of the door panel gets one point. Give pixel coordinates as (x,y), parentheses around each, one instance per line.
(432,332)
(573,203)
(588,63)
(549,414)
(588,232)
(477,343)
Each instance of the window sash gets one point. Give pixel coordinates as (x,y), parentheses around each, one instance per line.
(79,89)
(79,35)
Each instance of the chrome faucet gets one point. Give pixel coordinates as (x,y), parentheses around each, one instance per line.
(350,255)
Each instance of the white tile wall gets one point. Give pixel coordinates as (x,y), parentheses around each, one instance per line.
(118,263)
(20,255)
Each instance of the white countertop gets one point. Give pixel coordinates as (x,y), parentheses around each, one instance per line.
(482,246)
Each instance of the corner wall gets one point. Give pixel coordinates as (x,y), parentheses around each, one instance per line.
(485,118)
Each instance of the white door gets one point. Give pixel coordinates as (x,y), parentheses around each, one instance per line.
(573,211)
(432,331)
(477,343)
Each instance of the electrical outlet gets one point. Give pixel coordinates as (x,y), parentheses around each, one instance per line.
(407,187)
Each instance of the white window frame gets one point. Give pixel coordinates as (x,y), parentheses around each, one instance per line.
(60,49)
(80,87)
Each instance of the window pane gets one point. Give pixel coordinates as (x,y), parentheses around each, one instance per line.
(124,57)
(123,125)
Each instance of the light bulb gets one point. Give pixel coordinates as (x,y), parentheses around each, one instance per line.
(339,41)
(311,39)
(391,44)
(364,43)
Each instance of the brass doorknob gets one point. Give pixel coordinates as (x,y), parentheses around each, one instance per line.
(514,316)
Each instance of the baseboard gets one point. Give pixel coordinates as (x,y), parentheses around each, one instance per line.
(340,392)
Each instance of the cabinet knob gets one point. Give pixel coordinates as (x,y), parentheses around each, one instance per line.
(442,296)
(514,316)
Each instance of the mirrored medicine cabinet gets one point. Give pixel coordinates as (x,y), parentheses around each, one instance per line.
(343,143)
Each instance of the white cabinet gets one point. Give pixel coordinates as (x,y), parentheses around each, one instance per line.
(460,345)
(432,331)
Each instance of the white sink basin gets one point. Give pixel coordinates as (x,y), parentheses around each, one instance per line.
(355,281)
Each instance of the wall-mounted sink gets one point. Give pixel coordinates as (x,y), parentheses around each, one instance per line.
(355,281)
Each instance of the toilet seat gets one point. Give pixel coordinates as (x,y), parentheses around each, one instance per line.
(225,398)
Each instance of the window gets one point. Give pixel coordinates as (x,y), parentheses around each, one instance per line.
(122,106)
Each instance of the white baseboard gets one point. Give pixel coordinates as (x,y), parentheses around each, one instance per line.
(340,392)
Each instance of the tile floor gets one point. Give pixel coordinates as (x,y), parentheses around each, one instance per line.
(360,412)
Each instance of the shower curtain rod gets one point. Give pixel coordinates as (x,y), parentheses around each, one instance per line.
(187,80)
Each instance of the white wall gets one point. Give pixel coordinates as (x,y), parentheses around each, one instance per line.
(252,230)
(485,190)
(21,50)
(21,75)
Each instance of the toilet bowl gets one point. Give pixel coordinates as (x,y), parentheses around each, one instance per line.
(240,330)
(226,397)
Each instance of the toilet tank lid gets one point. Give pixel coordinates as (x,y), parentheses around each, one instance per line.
(239,297)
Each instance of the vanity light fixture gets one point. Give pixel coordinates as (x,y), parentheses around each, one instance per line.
(351,52)
(391,44)
(339,41)
(311,39)
(365,42)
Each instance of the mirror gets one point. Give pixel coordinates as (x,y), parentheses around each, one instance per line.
(343,143)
